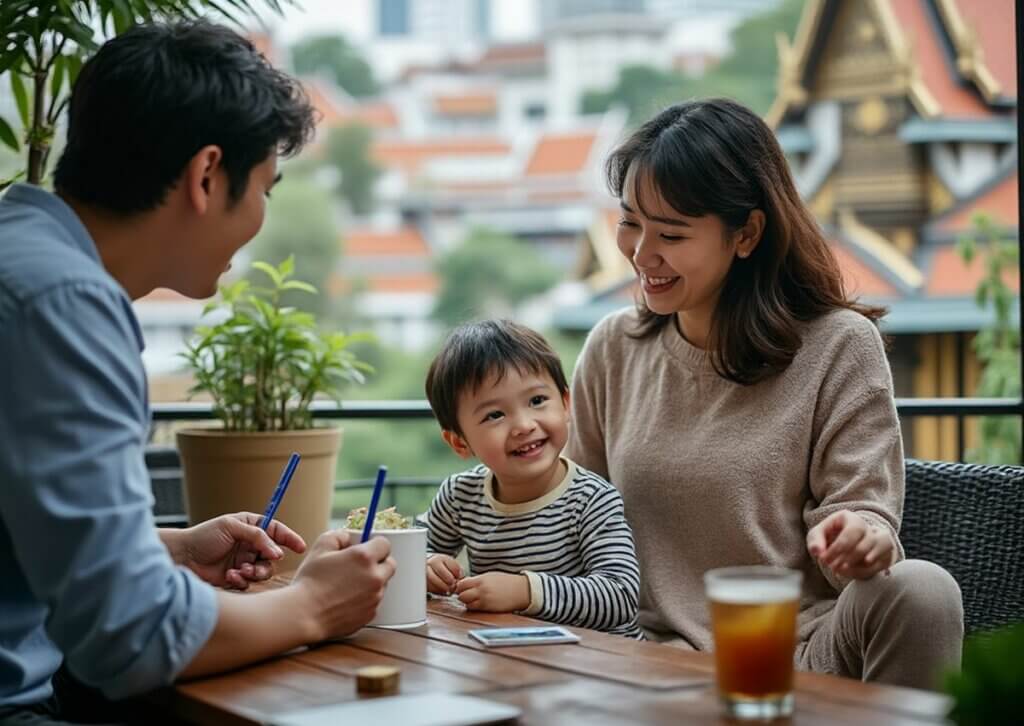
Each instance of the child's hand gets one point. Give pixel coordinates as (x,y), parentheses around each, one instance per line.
(850,546)
(443,572)
(496,592)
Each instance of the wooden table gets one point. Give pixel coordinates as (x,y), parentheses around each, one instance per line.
(604,680)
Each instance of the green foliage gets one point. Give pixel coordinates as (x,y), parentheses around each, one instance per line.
(300,222)
(334,56)
(348,151)
(488,275)
(747,74)
(997,346)
(989,688)
(264,363)
(43,44)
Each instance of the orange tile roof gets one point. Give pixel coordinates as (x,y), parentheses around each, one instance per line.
(329,110)
(561,153)
(421,282)
(998,201)
(410,155)
(375,114)
(405,242)
(993,21)
(512,56)
(481,103)
(950,276)
(858,277)
(955,99)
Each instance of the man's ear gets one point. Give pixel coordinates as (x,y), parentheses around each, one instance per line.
(201,177)
(457,444)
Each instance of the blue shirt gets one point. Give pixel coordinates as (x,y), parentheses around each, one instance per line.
(83,573)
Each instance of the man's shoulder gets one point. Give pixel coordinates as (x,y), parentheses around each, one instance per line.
(40,254)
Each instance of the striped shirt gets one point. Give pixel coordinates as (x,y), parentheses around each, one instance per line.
(573,544)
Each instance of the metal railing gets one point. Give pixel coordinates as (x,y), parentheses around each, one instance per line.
(420,409)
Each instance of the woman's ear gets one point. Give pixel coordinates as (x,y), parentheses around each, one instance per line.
(457,444)
(749,235)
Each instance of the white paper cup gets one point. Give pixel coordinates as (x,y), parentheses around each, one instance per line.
(405,596)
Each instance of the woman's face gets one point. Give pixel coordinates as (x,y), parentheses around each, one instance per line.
(681,261)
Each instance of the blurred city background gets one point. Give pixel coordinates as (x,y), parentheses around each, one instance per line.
(457,174)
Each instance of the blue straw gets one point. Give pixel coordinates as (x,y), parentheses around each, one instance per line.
(278,495)
(371,513)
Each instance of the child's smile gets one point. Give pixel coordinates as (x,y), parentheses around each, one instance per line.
(517,425)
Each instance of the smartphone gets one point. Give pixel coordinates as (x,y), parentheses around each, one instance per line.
(539,635)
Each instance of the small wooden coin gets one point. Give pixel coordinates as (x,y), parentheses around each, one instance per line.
(377,679)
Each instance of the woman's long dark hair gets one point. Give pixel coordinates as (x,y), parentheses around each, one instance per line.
(717,157)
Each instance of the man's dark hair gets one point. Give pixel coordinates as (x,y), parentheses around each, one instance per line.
(151,98)
(474,352)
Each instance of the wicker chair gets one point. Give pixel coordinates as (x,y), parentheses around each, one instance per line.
(970,520)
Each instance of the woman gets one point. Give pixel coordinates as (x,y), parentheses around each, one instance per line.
(745,408)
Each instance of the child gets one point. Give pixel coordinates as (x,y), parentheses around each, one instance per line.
(544,537)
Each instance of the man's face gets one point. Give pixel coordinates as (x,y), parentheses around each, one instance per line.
(225,228)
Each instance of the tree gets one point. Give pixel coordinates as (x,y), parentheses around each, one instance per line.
(489,274)
(348,151)
(747,74)
(300,222)
(336,58)
(997,346)
(43,44)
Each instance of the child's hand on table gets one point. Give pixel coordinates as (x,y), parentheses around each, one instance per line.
(496,592)
(443,573)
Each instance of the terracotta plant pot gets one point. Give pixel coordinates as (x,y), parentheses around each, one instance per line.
(228,472)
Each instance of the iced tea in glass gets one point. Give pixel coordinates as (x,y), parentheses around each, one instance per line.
(753,620)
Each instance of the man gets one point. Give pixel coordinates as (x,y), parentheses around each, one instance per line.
(172,147)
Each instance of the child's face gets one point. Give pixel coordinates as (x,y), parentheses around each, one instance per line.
(517,426)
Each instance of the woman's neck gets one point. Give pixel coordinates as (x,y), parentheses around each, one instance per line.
(694,326)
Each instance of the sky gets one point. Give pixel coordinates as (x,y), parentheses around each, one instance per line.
(512,19)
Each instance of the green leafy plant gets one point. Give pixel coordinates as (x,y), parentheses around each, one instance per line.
(263,363)
(988,688)
(43,44)
(997,345)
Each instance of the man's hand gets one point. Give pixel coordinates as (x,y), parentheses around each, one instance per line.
(343,584)
(850,546)
(443,573)
(231,550)
(496,592)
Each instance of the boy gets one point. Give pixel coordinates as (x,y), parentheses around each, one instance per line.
(544,537)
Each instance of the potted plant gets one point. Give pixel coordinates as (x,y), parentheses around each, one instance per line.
(263,364)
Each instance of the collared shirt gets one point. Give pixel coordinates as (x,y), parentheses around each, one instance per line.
(83,573)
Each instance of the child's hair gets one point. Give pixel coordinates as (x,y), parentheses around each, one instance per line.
(475,351)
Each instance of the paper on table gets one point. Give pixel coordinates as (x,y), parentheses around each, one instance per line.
(426,709)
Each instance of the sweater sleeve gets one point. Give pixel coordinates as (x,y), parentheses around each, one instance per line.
(605,597)
(857,460)
(586,444)
(443,534)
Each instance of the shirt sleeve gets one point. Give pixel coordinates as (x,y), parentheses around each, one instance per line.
(605,597)
(444,537)
(586,443)
(857,459)
(76,497)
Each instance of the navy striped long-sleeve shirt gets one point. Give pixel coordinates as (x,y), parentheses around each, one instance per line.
(573,544)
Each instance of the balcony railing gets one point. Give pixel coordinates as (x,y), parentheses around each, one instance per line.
(420,409)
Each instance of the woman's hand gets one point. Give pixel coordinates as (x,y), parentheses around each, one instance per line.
(443,573)
(496,592)
(231,550)
(850,546)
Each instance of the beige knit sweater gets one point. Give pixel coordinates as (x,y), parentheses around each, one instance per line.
(715,474)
